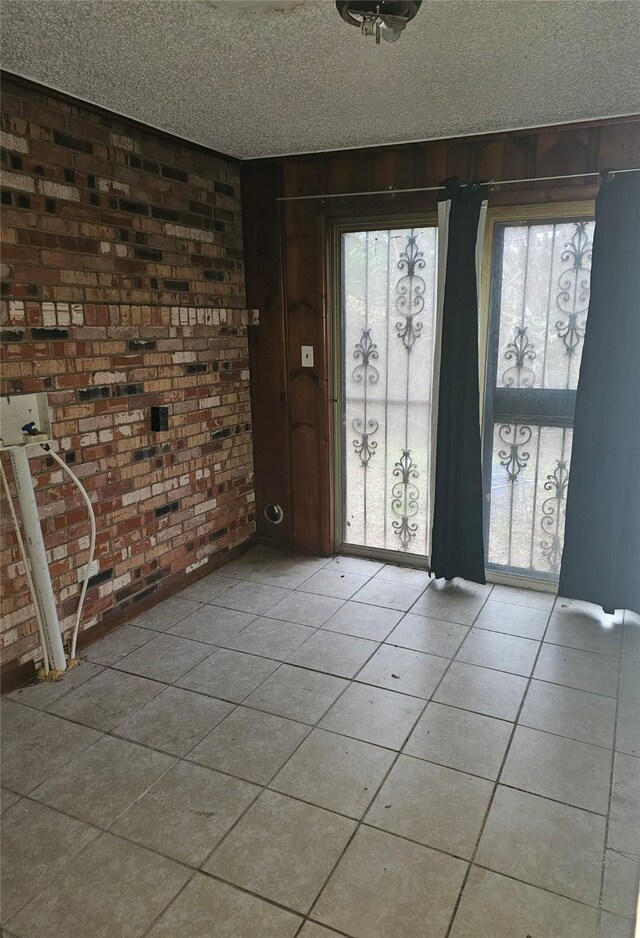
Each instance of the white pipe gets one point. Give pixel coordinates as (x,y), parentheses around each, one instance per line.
(27,569)
(92,544)
(37,555)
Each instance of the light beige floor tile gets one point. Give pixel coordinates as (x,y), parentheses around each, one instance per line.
(34,748)
(305,609)
(631,638)
(578,630)
(559,768)
(270,638)
(251,597)
(42,694)
(313,930)
(562,604)
(212,625)
(459,601)
(432,636)
(165,658)
(7,799)
(374,715)
(624,825)
(210,909)
(566,711)
(390,593)
(572,667)
(165,614)
(493,693)
(545,844)
(111,888)
(402,669)
(614,926)
(535,599)
(186,812)
(174,721)
(14,715)
(117,645)
(334,772)
(355,565)
(107,699)
(286,574)
(629,680)
(499,651)
(101,782)
(628,728)
(230,675)
(364,621)
(297,694)
(385,886)
(336,583)
(250,744)
(208,588)
(333,653)
(620,890)
(521,620)
(37,843)
(409,575)
(460,739)
(282,849)
(493,906)
(435,805)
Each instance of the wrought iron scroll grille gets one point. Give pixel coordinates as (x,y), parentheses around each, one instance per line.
(388,303)
(538,310)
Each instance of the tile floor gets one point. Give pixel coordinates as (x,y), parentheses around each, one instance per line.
(301,747)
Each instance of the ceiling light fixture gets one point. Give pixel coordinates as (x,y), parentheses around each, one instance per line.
(379,18)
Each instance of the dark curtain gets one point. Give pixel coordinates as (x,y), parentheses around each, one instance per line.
(457,542)
(601,558)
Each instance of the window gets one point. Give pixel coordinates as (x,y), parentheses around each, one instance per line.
(538,304)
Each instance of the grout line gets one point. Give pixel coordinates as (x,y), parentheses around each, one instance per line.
(610,793)
(262,788)
(495,785)
(384,779)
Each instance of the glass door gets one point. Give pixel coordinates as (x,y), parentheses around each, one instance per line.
(538,303)
(385,351)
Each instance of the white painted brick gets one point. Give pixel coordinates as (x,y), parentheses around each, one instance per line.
(11,142)
(125,143)
(56,190)
(18,181)
(16,311)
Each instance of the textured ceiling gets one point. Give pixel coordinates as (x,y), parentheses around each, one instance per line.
(258,79)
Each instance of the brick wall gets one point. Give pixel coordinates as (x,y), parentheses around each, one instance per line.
(122,288)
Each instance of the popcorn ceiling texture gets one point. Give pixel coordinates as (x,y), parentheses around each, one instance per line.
(122,288)
(254,80)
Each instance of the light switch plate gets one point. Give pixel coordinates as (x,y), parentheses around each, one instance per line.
(307,356)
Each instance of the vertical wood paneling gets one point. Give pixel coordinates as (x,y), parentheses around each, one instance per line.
(267,348)
(310,451)
(294,453)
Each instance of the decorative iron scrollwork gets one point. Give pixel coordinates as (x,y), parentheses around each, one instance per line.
(365,447)
(367,351)
(405,497)
(556,483)
(514,458)
(410,293)
(574,284)
(521,352)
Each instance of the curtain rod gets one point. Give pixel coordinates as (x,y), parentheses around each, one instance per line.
(491,182)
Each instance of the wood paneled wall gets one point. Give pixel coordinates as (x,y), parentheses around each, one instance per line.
(288,271)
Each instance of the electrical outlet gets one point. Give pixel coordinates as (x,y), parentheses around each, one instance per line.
(94,567)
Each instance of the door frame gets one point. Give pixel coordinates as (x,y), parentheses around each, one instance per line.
(338,227)
(539,211)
